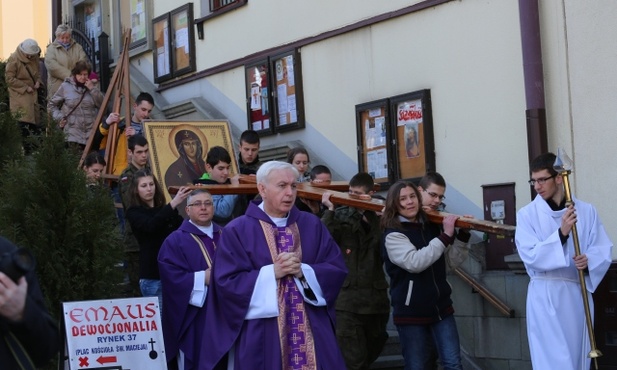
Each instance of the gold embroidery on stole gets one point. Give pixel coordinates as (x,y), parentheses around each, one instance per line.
(270,232)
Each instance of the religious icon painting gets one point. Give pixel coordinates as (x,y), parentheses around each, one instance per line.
(178,150)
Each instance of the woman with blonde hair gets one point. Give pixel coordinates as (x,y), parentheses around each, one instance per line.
(60,58)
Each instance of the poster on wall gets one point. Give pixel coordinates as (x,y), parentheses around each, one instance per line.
(414,134)
(409,116)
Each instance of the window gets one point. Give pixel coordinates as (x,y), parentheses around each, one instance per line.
(213,8)
(274,93)
(220,4)
(174,44)
(135,14)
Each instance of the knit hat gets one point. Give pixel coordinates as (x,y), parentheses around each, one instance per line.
(30,47)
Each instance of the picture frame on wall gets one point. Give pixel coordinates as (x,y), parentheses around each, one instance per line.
(412,129)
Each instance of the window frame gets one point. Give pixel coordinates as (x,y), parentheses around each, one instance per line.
(400,164)
(249,71)
(274,82)
(170,52)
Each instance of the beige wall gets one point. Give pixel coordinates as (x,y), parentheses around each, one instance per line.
(22,19)
(468,53)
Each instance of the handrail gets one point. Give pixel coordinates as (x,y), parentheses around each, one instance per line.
(490,297)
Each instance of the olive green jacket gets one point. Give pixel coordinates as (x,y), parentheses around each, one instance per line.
(365,290)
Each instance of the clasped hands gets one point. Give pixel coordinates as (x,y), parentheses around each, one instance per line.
(287,263)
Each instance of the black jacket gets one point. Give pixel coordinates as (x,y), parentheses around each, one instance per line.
(37,331)
(151,226)
(422,297)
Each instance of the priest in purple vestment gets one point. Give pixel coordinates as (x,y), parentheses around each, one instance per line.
(185,263)
(276,278)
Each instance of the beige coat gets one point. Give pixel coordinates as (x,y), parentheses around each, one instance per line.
(59,63)
(22,73)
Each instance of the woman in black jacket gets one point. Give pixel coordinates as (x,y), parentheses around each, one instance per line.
(413,251)
(152,220)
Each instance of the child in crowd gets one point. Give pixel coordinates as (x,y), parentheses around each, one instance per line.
(226,207)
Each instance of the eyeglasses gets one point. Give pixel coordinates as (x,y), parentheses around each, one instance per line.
(200,204)
(435,195)
(540,181)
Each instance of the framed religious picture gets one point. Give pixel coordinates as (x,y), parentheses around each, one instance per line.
(412,128)
(373,137)
(178,149)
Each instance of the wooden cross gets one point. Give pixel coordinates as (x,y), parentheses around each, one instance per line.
(315,191)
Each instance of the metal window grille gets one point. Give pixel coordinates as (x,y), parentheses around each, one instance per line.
(218,4)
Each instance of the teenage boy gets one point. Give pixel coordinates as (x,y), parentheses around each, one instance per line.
(320,174)
(144,103)
(248,159)
(226,207)
(138,152)
(362,306)
(433,187)
(555,326)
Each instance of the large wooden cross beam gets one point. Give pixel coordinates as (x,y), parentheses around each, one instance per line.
(316,191)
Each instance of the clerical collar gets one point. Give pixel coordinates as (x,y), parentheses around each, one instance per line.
(554,206)
(279,222)
(208,230)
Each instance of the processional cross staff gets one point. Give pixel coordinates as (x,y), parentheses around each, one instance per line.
(563,165)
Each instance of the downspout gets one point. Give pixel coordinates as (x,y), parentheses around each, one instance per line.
(535,112)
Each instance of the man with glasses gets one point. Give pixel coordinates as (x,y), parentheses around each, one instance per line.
(185,262)
(556,327)
(432,186)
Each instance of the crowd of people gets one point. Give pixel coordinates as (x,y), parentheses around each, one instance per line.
(275,281)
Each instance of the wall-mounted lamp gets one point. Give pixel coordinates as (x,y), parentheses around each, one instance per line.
(200,30)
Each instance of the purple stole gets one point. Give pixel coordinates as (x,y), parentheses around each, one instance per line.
(297,344)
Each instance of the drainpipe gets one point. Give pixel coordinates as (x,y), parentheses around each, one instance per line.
(535,112)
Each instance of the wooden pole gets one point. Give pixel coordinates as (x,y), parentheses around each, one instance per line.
(101,113)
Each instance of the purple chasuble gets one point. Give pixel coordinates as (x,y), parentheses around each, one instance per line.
(245,247)
(184,252)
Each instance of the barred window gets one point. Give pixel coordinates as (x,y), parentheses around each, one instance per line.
(219,4)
